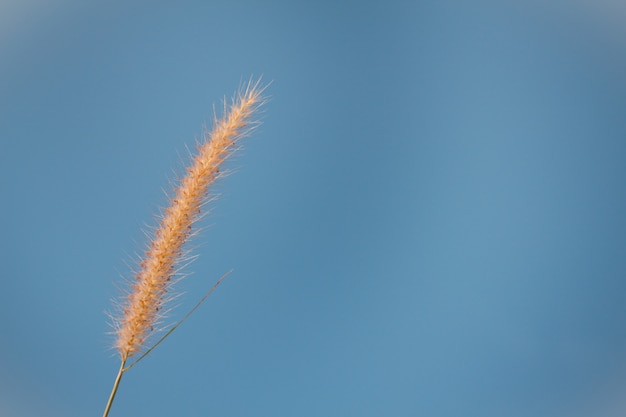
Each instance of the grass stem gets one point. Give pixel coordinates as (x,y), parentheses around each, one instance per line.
(116,384)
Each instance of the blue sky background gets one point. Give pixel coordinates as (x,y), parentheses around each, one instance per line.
(430,221)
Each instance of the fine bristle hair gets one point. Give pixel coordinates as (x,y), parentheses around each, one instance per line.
(141,310)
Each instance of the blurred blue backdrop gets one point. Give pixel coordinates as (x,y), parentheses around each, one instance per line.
(429,222)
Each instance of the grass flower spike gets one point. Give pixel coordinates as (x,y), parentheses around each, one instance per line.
(143,306)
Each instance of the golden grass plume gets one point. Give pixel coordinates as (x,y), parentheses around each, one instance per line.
(142,307)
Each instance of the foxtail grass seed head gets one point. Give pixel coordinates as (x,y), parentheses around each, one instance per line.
(143,306)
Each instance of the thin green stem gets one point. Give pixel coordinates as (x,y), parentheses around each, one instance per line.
(174,327)
(114,390)
(124,368)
